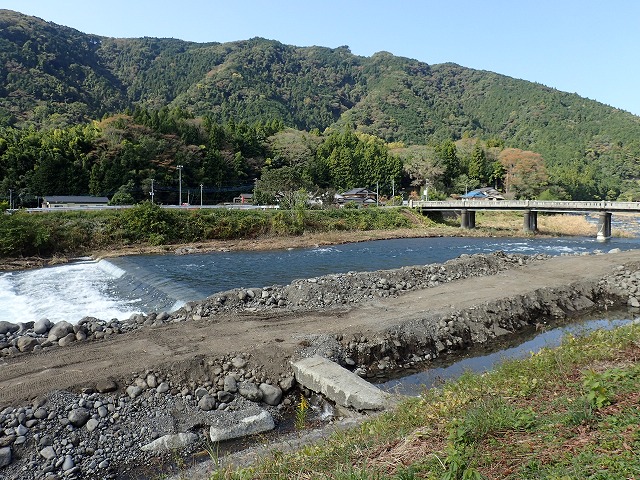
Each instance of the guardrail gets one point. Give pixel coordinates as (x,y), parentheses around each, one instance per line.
(228,206)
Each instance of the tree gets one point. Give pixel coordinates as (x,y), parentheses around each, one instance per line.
(359,160)
(422,166)
(446,154)
(526,174)
(292,147)
(281,185)
(497,173)
(478,165)
(123,195)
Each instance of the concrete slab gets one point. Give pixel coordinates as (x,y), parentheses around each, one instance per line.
(339,384)
(241,424)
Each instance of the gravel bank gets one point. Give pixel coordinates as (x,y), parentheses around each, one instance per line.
(105,429)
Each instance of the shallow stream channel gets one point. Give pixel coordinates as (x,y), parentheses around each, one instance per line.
(484,358)
(410,382)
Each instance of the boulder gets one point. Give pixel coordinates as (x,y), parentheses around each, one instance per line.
(163,388)
(8,327)
(24,326)
(92,424)
(152,381)
(7,441)
(201,392)
(250,391)
(68,463)
(238,362)
(225,397)
(78,417)
(230,384)
(26,344)
(270,395)
(67,340)
(106,386)
(48,453)
(287,384)
(60,330)
(207,403)
(134,391)
(40,413)
(42,326)
(5,456)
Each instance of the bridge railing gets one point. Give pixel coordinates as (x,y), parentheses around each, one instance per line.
(548,205)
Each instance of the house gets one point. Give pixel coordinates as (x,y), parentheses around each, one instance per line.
(485,193)
(243,198)
(70,201)
(359,196)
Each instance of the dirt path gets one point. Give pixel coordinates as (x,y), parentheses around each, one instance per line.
(272,338)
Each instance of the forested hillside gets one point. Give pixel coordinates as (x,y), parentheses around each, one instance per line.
(454,127)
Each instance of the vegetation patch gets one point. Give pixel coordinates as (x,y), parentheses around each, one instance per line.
(569,412)
(79,233)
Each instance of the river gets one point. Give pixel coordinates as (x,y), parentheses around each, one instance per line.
(119,287)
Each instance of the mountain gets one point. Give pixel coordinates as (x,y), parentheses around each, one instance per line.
(52,75)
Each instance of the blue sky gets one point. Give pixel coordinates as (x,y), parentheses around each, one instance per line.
(588,47)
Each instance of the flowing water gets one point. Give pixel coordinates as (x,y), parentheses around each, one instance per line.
(119,287)
(484,359)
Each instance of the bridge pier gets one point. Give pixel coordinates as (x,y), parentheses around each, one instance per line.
(530,221)
(467,218)
(604,226)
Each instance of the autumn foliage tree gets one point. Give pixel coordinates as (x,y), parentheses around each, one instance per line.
(525,172)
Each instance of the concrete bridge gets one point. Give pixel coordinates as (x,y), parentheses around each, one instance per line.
(469,207)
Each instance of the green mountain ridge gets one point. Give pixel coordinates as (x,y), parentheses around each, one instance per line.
(55,76)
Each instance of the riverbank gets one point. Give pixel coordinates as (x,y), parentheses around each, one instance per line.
(489,225)
(228,357)
(569,412)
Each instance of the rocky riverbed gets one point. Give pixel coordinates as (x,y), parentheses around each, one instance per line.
(117,427)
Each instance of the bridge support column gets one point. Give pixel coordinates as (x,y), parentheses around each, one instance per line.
(467,218)
(530,221)
(533,218)
(464,218)
(604,226)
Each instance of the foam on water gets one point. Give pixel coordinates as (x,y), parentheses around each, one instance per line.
(176,306)
(10,300)
(322,250)
(109,268)
(65,292)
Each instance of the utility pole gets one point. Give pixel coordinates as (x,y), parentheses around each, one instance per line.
(393,187)
(377,194)
(152,193)
(10,199)
(201,194)
(179,167)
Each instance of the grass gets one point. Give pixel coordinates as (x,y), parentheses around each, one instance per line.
(565,413)
(576,225)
